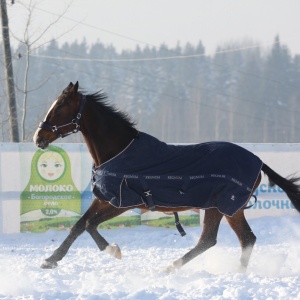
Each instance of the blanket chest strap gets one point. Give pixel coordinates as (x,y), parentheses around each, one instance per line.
(148,194)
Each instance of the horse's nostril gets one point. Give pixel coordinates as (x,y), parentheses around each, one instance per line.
(42,142)
(38,140)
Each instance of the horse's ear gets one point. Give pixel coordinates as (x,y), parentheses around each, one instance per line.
(76,86)
(68,87)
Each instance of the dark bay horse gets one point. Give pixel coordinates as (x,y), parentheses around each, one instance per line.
(107,132)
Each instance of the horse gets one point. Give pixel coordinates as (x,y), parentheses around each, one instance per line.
(108,132)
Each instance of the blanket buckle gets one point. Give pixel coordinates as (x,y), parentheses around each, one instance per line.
(148,193)
(149,200)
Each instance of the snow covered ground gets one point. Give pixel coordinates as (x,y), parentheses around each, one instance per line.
(87,273)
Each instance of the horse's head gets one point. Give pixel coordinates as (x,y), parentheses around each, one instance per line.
(62,118)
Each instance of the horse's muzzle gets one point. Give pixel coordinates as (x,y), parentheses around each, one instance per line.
(40,141)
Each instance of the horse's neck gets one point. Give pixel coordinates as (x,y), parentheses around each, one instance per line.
(106,143)
(103,150)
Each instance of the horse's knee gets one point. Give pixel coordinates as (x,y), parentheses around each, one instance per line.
(90,227)
(79,227)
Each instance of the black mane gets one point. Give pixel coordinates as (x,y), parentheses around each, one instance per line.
(99,102)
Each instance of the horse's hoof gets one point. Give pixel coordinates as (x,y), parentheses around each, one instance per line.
(169,269)
(242,269)
(49,264)
(114,250)
(177,264)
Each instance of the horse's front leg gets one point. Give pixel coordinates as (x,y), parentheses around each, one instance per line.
(96,209)
(61,251)
(106,212)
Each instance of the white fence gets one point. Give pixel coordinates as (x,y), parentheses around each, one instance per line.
(35,185)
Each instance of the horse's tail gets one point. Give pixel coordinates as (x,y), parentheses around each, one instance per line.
(289,185)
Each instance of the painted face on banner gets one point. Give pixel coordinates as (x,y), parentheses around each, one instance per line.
(51,166)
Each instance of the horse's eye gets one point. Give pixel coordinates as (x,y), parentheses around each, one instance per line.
(58,107)
(56,111)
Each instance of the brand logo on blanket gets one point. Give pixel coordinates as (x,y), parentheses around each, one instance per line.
(197,177)
(218,175)
(236,181)
(232,197)
(131,176)
(111,174)
(106,173)
(152,177)
(175,177)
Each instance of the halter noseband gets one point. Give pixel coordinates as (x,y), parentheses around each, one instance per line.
(75,121)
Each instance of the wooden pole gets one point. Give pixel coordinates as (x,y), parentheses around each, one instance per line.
(10,86)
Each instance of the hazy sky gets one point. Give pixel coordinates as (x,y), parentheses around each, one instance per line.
(125,23)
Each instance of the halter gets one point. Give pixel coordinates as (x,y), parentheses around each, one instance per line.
(75,121)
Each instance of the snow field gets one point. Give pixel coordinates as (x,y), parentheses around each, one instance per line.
(87,273)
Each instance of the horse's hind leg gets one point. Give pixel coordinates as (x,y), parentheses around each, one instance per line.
(245,235)
(207,239)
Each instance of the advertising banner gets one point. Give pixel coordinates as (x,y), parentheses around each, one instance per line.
(51,189)
(283,159)
(42,189)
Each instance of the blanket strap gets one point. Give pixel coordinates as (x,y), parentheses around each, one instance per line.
(150,203)
(185,185)
(178,225)
(255,200)
(148,195)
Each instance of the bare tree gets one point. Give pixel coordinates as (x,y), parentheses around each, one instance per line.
(31,40)
(13,117)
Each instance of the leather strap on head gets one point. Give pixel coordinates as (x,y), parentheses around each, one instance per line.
(75,121)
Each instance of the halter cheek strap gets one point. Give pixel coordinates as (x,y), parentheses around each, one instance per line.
(75,121)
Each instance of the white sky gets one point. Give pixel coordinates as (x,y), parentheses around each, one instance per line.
(125,22)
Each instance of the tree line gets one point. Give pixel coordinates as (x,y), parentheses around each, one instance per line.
(179,94)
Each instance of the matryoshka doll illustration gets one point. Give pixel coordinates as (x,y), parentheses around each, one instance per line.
(50,199)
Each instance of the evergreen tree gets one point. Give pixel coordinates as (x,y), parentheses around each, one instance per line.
(239,96)
(275,93)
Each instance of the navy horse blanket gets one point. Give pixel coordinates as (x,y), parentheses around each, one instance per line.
(153,173)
